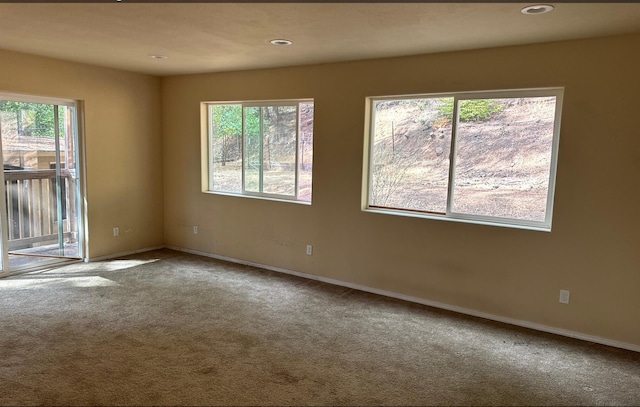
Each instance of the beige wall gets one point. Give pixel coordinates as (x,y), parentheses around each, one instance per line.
(123,144)
(593,249)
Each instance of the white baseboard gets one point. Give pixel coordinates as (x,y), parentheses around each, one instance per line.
(435,304)
(121,254)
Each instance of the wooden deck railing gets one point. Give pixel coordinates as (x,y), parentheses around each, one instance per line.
(32,209)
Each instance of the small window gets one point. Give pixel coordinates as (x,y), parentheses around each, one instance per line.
(262,149)
(485,157)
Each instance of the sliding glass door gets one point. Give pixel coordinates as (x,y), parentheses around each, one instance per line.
(41,216)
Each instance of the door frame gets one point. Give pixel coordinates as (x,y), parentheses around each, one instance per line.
(81,188)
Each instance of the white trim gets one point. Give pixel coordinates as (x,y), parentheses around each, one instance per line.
(435,304)
(470,219)
(453,155)
(553,165)
(29,98)
(4,221)
(122,254)
(476,94)
(261,197)
(81,188)
(206,156)
(369,141)
(259,103)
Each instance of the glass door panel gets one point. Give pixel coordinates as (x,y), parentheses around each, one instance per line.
(41,182)
(252,149)
(279,136)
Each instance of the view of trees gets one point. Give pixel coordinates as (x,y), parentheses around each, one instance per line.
(268,141)
(34,119)
(270,149)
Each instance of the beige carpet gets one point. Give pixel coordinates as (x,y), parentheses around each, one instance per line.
(167,328)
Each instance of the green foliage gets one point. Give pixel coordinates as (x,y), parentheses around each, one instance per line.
(470,109)
(227,131)
(36,119)
(226,120)
(252,123)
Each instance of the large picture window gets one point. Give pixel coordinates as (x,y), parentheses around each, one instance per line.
(260,149)
(486,157)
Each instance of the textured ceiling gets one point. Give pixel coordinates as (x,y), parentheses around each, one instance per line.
(210,37)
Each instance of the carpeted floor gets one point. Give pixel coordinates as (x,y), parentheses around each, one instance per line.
(168,328)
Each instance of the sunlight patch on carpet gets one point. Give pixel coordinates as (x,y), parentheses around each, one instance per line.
(34,283)
(106,265)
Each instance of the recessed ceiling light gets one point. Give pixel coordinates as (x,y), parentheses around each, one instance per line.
(156,56)
(281,42)
(537,9)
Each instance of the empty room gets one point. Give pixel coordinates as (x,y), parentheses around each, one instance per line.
(319,203)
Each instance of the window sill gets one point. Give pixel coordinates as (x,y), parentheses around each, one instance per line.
(263,198)
(454,219)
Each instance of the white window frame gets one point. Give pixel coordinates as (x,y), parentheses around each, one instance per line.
(207,182)
(450,215)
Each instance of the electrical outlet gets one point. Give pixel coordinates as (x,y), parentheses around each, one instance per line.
(116,231)
(564,296)
(309,249)
(195,229)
